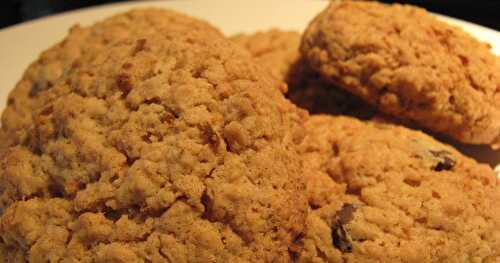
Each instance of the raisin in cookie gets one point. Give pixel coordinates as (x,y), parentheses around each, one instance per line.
(408,64)
(167,146)
(43,73)
(279,51)
(384,193)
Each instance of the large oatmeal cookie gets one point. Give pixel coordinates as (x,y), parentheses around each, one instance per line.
(408,64)
(166,146)
(384,193)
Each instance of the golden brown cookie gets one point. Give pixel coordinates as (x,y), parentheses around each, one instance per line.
(408,64)
(43,73)
(275,49)
(167,146)
(279,51)
(384,193)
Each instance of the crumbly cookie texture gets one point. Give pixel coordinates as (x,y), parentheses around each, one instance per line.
(275,49)
(279,51)
(167,146)
(407,63)
(43,73)
(384,193)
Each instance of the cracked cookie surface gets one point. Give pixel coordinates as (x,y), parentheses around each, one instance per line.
(405,62)
(384,193)
(43,73)
(167,146)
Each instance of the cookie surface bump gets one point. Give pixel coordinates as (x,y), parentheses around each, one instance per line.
(43,73)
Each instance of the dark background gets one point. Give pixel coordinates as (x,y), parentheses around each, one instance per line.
(482,12)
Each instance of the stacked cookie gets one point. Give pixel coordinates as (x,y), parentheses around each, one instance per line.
(150,137)
(376,189)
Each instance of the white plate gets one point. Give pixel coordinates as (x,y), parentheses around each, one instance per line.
(21,44)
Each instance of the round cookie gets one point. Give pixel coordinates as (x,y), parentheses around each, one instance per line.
(167,146)
(279,51)
(408,64)
(43,73)
(384,193)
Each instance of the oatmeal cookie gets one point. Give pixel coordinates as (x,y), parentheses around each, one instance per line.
(43,73)
(279,51)
(408,64)
(384,193)
(167,146)
(275,49)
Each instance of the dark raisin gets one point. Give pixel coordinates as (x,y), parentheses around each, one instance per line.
(341,239)
(154,100)
(298,239)
(76,64)
(445,161)
(124,83)
(346,214)
(131,160)
(147,137)
(335,149)
(340,236)
(354,191)
(314,206)
(168,117)
(139,46)
(295,247)
(207,202)
(210,137)
(113,215)
(35,88)
(114,178)
(47,110)
(464,60)
(127,65)
(56,190)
